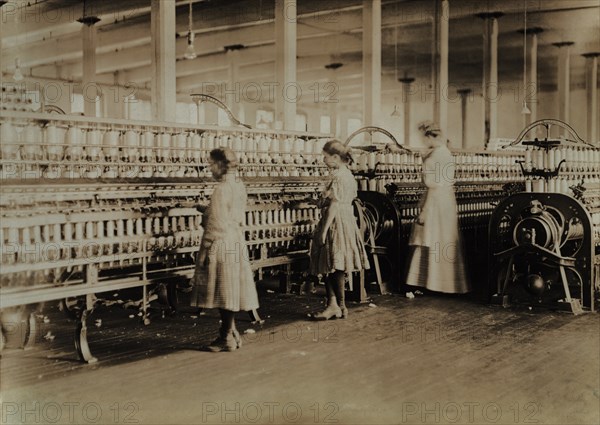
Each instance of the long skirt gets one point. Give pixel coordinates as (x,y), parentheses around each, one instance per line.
(436,259)
(227,281)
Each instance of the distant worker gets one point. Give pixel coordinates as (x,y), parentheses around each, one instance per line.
(436,259)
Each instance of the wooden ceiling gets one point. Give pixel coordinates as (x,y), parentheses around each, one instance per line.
(46,37)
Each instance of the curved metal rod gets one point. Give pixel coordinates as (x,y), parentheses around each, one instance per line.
(373,129)
(53,108)
(199,98)
(544,122)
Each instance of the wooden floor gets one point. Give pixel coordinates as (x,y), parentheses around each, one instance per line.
(433,359)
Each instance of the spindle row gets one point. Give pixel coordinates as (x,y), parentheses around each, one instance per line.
(72,141)
(129,226)
(577,159)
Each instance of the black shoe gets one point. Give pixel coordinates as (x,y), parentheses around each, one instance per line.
(227,343)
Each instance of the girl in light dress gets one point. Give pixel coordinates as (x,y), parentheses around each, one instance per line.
(223,277)
(337,246)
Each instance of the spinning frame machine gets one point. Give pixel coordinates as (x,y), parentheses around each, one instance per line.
(545,242)
(390,179)
(529,217)
(93,208)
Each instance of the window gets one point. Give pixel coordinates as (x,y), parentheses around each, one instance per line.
(187,113)
(352,125)
(223,120)
(78,107)
(325,126)
(264,119)
(301,122)
(77,103)
(139,109)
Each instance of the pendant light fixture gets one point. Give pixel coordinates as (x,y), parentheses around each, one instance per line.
(190,51)
(87,20)
(525,110)
(18,75)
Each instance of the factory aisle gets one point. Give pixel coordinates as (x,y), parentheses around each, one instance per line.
(427,360)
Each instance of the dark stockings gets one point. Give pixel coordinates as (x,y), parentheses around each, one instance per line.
(338,284)
(227,321)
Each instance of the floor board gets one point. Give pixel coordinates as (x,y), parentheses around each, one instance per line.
(433,359)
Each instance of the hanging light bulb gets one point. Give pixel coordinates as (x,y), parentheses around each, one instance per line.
(190,51)
(18,75)
(525,110)
(396,112)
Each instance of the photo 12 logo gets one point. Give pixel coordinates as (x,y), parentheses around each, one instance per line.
(269,92)
(270,412)
(69,412)
(469,412)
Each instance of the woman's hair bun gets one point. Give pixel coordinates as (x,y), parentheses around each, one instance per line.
(430,129)
(335,147)
(225,156)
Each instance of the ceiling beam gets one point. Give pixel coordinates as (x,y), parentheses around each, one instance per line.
(133,34)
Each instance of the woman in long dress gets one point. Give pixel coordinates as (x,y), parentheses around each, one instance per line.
(223,278)
(337,246)
(436,259)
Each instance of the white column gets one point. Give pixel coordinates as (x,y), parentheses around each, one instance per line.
(371,62)
(287,93)
(2,3)
(332,105)
(592,96)
(533,74)
(490,73)
(564,79)
(441,28)
(88,39)
(233,91)
(464,97)
(115,103)
(406,91)
(163,28)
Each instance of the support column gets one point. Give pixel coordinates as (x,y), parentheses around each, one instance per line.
(441,27)
(2,3)
(164,99)
(88,39)
(564,79)
(371,61)
(464,97)
(116,105)
(233,90)
(592,96)
(490,72)
(532,89)
(285,51)
(406,91)
(332,106)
